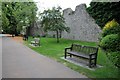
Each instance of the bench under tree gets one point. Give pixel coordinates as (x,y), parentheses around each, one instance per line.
(86,52)
(36,42)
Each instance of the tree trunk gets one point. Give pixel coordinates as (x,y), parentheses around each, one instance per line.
(15,32)
(60,33)
(57,36)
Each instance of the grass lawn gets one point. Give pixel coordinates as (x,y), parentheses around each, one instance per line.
(50,48)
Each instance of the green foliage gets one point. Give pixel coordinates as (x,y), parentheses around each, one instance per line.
(103,12)
(110,43)
(53,20)
(111,27)
(15,15)
(56,50)
(115,58)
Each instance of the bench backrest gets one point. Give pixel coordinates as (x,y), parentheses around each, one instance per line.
(37,40)
(84,49)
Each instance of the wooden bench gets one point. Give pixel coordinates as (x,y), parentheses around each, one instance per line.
(25,37)
(86,52)
(36,41)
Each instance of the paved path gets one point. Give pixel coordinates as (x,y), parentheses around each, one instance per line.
(19,61)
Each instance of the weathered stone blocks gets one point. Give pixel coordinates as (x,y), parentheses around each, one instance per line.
(82,25)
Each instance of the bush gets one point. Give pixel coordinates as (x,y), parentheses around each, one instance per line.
(115,58)
(111,27)
(110,43)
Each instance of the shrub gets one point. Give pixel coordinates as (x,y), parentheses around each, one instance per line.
(110,43)
(115,58)
(111,27)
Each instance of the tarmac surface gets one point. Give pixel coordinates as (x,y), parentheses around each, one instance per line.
(19,61)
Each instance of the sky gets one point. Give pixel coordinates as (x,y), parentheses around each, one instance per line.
(45,4)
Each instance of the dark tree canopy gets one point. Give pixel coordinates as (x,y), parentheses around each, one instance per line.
(103,12)
(15,15)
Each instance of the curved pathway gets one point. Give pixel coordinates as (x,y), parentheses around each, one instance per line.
(19,61)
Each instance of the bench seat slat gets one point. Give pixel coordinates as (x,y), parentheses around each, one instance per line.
(78,54)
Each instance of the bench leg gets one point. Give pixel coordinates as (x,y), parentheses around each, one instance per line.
(35,44)
(95,61)
(70,55)
(90,63)
(65,55)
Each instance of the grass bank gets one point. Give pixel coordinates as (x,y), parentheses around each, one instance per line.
(54,50)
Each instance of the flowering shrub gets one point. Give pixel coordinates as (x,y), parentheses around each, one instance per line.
(111,27)
(110,24)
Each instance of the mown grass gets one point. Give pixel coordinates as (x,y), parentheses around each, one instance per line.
(50,48)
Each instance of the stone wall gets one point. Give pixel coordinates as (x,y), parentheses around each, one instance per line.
(82,25)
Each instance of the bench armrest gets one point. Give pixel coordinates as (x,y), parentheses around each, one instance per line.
(93,54)
(66,51)
(68,48)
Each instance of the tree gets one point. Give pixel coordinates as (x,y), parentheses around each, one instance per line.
(53,20)
(103,12)
(15,15)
